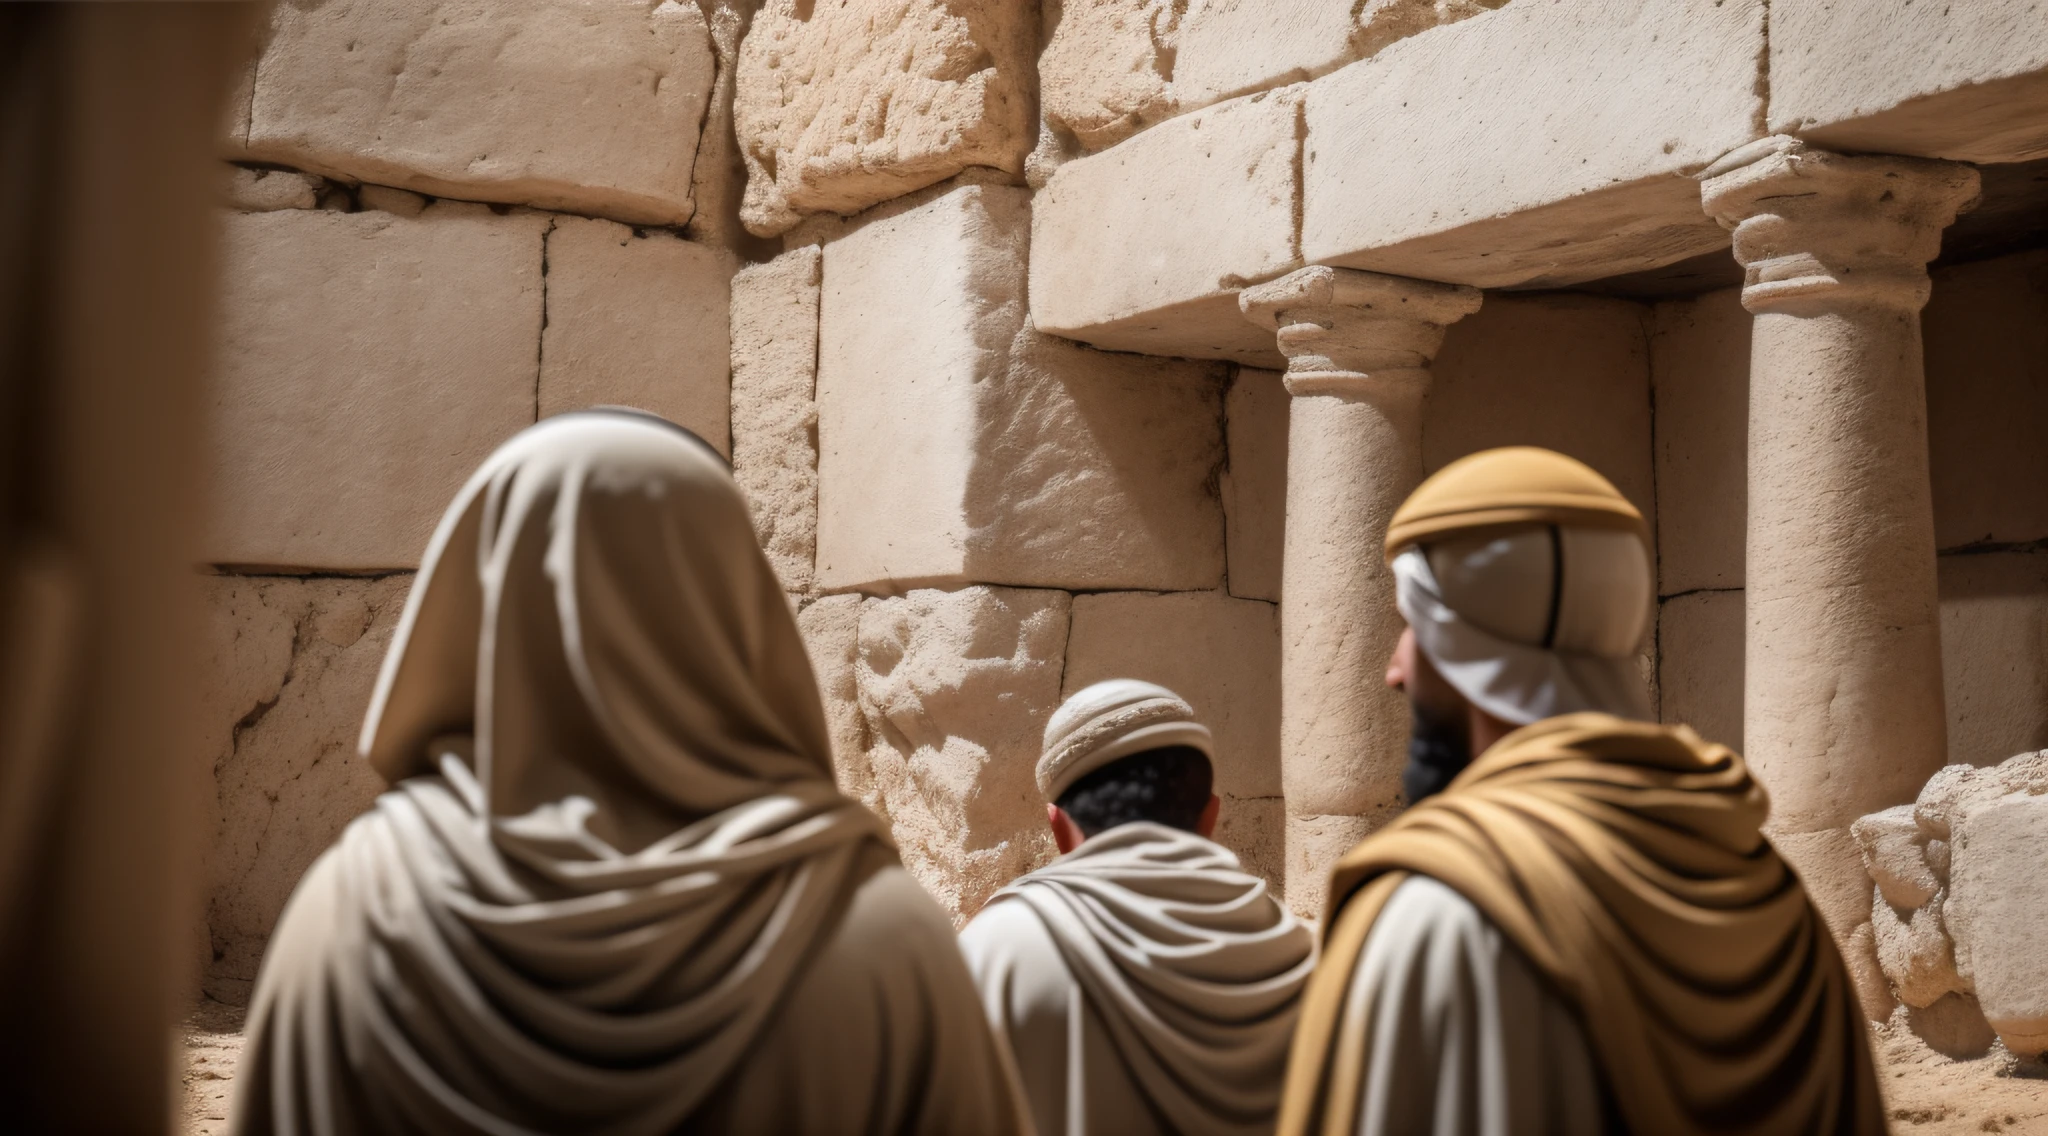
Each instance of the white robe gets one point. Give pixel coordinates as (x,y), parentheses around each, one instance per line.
(1144,984)
(1458,1034)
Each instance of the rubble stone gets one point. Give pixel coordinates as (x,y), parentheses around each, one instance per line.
(1914,948)
(1964,81)
(844,105)
(957,445)
(590,108)
(291,665)
(956,688)
(1254,484)
(260,191)
(637,321)
(1145,206)
(368,364)
(403,202)
(1491,175)
(1894,853)
(775,410)
(1999,919)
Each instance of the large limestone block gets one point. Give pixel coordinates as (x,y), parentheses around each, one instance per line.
(830,626)
(1564,371)
(956,688)
(1107,68)
(775,410)
(1957,80)
(1254,482)
(843,104)
(1699,663)
(636,321)
(1219,652)
(291,664)
(1188,213)
(957,445)
(1699,361)
(1547,143)
(1994,651)
(590,107)
(1998,912)
(1986,335)
(368,363)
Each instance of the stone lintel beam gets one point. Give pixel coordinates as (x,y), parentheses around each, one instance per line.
(1358,347)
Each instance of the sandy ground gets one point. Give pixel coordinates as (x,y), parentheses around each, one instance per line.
(1928,1094)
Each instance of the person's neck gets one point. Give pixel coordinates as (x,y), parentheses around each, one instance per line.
(1485,729)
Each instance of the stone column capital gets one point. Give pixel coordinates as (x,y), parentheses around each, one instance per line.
(1816,230)
(1345,331)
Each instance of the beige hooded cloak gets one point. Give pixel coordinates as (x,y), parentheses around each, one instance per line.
(612,889)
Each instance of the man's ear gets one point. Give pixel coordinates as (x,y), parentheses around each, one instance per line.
(1066,834)
(1205,825)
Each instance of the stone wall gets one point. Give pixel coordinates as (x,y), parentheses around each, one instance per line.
(894,256)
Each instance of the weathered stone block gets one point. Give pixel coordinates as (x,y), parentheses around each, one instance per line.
(291,666)
(1568,372)
(1230,46)
(1915,951)
(830,626)
(1191,211)
(1895,855)
(637,321)
(1699,359)
(1107,68)
(1998,913)
(592,107)
(1966,81)
(1699,663)
(1986,334)
(957,445)
(843,105)
(260,191)
(775,410)
(1435,159)
(1994,652)
(1254,483)
(956,688)
(368,363)
(1220,653)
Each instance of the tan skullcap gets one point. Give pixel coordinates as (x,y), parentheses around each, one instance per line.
(1112,720)
(1511,487)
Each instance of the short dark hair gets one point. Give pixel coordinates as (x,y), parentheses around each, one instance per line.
(1168,786)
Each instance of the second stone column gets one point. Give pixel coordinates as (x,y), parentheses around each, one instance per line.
(1358,347)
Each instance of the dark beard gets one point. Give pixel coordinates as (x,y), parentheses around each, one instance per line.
(1439,748)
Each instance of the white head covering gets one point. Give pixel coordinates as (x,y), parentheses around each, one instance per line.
(1525,576)
(1110,720)
(577,911)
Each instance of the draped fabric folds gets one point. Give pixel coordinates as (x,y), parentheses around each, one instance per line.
(1187,962)
(613,847)
(1625,861)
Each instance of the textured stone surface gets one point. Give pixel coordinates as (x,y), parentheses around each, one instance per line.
(956,688)
(957,445)
(831,629)
(1999,914)
(1986,334)
(368,363)
(1564,371)
(636,321)
(843,104)
(1223,655)
(1190,211)
(1699,359)
(1254,484)
(1699,663)
(1895,854)
(1435,159)
(260,191)
(1107,68)
(774,407)
(291,664)
(591,107)
(1220,653)
(1994,650)
(1958,80)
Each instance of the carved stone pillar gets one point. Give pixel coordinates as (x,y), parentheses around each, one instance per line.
(1358,347)
(1842,710)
